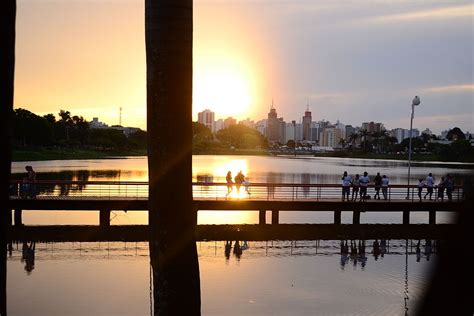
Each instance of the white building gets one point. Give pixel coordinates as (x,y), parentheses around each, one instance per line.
(95,123)
(218,125)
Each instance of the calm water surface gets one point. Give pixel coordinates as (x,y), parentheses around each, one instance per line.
(310,170)
(269,278)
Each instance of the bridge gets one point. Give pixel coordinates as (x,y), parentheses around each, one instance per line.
(105,196)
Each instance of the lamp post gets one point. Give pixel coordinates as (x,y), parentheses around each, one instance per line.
(415,102)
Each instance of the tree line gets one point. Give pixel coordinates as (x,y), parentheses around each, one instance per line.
(73,131)
(69,131)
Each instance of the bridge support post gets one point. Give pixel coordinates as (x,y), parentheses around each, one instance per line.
(18,217)
(262,217)
(356,217)
(406,217)
(432,217)
(9,218)
(337,217)
(104,218)
(275,217)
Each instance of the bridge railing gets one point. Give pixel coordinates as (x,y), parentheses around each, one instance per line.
(49,189)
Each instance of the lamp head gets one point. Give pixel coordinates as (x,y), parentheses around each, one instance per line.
(416,101)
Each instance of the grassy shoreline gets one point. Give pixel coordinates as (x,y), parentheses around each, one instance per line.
(41,154)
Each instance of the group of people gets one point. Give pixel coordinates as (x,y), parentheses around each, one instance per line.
(238,180)
(446,184)
(359,186)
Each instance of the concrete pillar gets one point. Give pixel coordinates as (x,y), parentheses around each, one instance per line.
(406,217)
(104,218)
(432,217)
(337,217)
(18,218)
(356,217)
(275,217)
(262,217)
(9,218)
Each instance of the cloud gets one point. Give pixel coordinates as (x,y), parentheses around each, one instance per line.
(451,89)
(438,13)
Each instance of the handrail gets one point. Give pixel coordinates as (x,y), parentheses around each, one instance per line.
(250,184)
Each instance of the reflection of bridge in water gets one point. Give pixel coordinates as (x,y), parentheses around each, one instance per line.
(105,196)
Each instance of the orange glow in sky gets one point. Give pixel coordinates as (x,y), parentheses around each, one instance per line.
(89,58)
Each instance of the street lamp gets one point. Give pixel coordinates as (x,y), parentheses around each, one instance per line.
(415,102)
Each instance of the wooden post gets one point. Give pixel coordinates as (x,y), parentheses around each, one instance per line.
(262,217)
(104,218)
(406,217)
(337,217)
(432,217)
(275,217)
(18,219)
(9,217)
(356,217)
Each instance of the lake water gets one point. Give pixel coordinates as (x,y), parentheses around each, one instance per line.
(269,278)
(308,170)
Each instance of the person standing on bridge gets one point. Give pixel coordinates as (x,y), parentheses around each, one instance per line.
(378,184)
(239,179)
(429,185)
(385,182)
(355,187)
(30,179)
(346,186)
(441,186)
(449,187)
(364,183)
(228,179)
(421,185)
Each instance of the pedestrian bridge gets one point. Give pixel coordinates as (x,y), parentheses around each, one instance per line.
(105,196)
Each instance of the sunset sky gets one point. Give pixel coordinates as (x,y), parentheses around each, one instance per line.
(351,60)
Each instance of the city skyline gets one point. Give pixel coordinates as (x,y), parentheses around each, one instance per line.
(354,61)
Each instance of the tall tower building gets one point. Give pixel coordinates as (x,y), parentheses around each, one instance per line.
(273,125)
(307,124)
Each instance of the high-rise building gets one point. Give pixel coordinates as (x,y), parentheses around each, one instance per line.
(261,127)
(330,137)
(206,118)
(229,122)
(273,125)
(373,127)
(218,125)
(307,124)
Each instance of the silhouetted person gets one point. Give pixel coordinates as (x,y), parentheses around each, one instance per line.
(377,184)
(429,182)
(383,247)
(441,187)
(362,257)
(418,252)
(30,182)
(239,179)
(428,249)
(237,249)
(346,186)
(364,183)
(449,187)
(421,185)
(29,256)
(355,187)
(228,179)
(376,249)
(228,247)
(385,183)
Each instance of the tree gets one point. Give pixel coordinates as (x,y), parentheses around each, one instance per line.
(363,134)
(172,217)
(291,144)
(241,137)
(353,137)
(455,134)
(7,70)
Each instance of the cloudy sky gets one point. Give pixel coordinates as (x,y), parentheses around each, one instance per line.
(352,60)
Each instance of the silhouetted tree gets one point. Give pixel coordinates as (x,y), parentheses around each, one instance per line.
(7,70)
(455,134)
(241,136)
(172,218)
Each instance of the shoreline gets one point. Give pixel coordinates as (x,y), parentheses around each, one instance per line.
(43,154)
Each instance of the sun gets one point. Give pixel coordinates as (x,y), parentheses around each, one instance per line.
(224,87)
